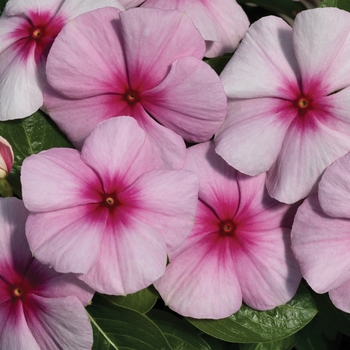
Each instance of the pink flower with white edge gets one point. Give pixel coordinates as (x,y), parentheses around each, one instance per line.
(320,235)
(222,23)
(39,307)
(289,101)
(238,249)
(145,63)
(107,213)
(27,31)
(6,157)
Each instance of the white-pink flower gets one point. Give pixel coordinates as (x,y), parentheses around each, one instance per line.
(238,249)
(39,308)
(108,213)
(145,63)
(320,235)
(27,31)
(289,101)
(6,157)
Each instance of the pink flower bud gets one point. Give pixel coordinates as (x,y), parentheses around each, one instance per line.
(6,158)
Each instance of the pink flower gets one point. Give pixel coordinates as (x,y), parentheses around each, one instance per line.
(142,63)
(27,31)
(39,308)
(6,157)
(222,23)
(107,213)
(239,247)
(289,101)
(320,235)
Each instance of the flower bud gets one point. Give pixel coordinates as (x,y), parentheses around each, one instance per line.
(6,158)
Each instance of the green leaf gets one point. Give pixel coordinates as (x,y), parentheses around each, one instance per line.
(142,301)
(218,63)
(282,344)
(286,7)
(29,136)
(342,4)
(251,326)
(179,333)
(116,327)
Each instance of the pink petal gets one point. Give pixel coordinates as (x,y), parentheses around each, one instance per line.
(70,181)
(321,244)
(267,44)
(218,185)
(340,297)
(132,256)
(334,188)
(128,4)
(161,37)
(8,26)
(190,100)
(6,156)
(85,59)
(55,322)
(67,239)
(15,333)
(305,154)
(231,23)
(251,137)
(22,7)
(166,200)
(322,45)
(202,282)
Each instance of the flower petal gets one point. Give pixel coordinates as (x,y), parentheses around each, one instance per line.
(161,37)
(321,244)
(6,156)
(267,44)
(57,179)
(67,239)
(340,297)
(190,100)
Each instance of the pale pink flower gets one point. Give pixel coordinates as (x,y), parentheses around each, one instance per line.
(238,249)
(222,23)
(145,63)
(27,31)
(107,212)
(320,235)
(39,307)
(6,157)
(289,101)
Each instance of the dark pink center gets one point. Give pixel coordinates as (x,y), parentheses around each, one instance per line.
(227,228)
(303,103)
(131,97)
(17,291)
(110,201)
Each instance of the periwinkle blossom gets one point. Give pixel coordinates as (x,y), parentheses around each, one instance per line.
(6,157)
(238,249)
(108,213)
(145,63)
(27,31)
(222,23)
(320,235)
(39,307)
(289,101)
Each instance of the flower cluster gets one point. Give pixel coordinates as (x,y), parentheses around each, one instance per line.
(217,189)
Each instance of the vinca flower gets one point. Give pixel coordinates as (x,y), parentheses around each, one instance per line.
(289,101)
(320,235)
(108,213)
(238,249)
(6,158)
(39,307)
(145,63)
(27,31)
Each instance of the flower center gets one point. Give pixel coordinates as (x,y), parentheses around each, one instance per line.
(17,291)
(227,228)
(37,33)
(131,97)
(110,201)
(303,104)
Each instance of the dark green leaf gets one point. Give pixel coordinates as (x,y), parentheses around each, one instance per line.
(142,301)
(218,63)
(179,334)
(116,327)
(286,7)
(29,136)
(282,344)
(251,326)
(342,4)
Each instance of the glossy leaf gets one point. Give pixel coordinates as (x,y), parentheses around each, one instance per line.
(342,4)
(116,327)
(282,344)
(251,326)
(142,301)
(179,333)
(29,136)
